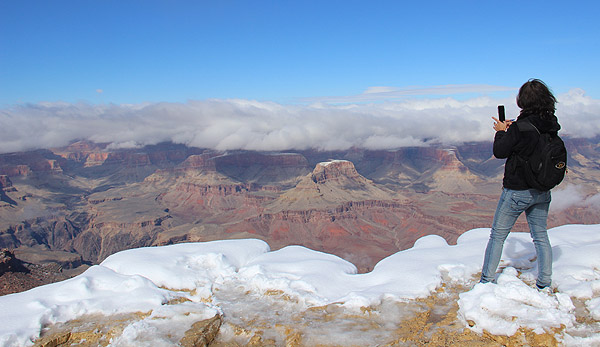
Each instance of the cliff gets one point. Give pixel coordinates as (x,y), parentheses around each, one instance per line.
(27,163)
(6,187)
(6,184)
(361,205)
(330,184)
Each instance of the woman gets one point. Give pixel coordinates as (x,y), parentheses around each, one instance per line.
(537,107)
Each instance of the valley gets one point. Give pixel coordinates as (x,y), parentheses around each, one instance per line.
(79,204)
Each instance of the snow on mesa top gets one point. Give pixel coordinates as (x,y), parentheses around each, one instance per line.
(135,281)
(327,163)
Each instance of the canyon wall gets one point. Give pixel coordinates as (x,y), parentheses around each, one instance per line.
(92,201)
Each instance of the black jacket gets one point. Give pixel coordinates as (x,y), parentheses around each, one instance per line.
(510,143)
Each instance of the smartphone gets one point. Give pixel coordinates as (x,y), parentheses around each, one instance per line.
(501,115)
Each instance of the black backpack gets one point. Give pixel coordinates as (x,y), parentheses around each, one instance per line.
(546,167)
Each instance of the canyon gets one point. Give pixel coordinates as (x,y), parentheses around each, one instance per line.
(74,206)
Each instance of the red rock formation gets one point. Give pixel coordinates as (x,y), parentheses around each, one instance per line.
(92,154)
(84,152)
(265,169)
(329,185)
(95,159)
(192,165)
(450,162)
(212,189)
(9,263)
(245,159)
(6,187)
(334,170)
(6,184)
(26,163)
(361,232)
(431,156)
(199,162)
(16,170)
(84,147)
(54,166)
(361,213)
(128,159)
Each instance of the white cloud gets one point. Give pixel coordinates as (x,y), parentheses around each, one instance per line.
(373,94)
(254,125)
(127,144)
(579,113)
(378,90)
(573,196)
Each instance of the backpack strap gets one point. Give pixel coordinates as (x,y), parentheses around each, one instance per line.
(526,126)
(524,155)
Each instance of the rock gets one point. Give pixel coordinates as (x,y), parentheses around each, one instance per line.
(199,162)
(329,185)
(41,255)
(55,340)
(6,187)
(26,163)
(9,263)
(333,170)
(5,183)
(17,274)
(98,330)
(202,333)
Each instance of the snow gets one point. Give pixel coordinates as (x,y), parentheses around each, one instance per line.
(150,330)
(502,309)
(147,279)
(332,161)
(187,265)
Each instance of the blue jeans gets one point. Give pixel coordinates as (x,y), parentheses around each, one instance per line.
(512,203)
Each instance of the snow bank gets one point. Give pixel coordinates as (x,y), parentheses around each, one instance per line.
(97,290)
(187,265)
(511,304)
(145,279)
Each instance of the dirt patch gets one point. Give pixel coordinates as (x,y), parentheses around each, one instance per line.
(88,330)
(431,321)
(439,325)
(97,330)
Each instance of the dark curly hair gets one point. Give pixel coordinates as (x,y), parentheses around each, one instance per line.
(535,97)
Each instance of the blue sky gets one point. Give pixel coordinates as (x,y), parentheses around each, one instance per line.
(289,51)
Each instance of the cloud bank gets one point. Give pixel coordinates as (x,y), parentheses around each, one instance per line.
(573,196)
(269,126)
